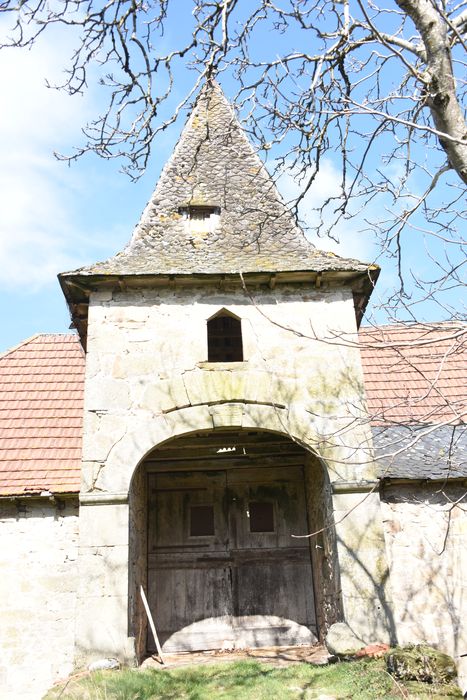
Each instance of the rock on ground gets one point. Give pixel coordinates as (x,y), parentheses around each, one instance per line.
(104,665)
(421,663)
(341,641)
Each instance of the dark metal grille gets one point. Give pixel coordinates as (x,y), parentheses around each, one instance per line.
(225,339)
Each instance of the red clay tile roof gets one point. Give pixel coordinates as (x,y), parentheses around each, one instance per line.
(41,416)
(415,373)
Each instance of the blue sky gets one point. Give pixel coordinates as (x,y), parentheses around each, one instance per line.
(55,217)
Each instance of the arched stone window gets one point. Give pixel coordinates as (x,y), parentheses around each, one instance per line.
(225,338)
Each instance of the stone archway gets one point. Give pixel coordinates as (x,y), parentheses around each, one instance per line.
(212,515)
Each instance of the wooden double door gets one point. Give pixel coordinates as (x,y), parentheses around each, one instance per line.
(223,568)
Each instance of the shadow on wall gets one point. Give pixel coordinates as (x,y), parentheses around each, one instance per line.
(204,453)
(326,406)
(423,530)
(368,587)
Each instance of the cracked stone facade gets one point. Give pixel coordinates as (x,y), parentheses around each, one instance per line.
(148,380)
(147,361)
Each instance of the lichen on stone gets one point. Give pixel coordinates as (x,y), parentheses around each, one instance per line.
(421,662)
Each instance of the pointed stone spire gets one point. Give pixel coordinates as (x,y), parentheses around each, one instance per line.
(216,209)
(215,212)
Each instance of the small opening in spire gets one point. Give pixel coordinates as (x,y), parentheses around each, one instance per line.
(225,338)
(200,218)
(199,211)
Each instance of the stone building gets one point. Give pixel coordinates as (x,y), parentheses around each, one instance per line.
(230,407)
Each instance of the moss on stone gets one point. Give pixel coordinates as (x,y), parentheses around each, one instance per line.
(421,662)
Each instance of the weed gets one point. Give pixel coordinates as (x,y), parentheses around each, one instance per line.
(244,680)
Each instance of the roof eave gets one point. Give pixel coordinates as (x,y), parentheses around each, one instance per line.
(78,286)
(39,495)
(422,480)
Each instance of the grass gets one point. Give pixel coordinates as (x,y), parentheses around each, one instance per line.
(249,680)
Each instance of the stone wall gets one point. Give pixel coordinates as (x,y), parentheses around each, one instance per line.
(146,364)
(102,627)
(425,530)
(148,380)
(363,567)
(38,579)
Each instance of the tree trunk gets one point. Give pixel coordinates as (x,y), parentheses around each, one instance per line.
(441,94)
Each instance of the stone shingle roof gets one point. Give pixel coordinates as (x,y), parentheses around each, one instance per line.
(41,416)
(215,212)
(250,229)
(421,451)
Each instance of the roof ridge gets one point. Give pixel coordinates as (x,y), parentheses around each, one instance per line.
(409,325)
(19,345)
(22,343)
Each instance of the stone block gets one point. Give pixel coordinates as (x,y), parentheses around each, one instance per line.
(128,316)
(103,524)
(102,630)
(208,386)
(277,388)
(370,619)
(106,394)
(342,641)
(129,365)
(164,395)
(366,504)
(89,473)
(101,433)
(187,420)
(103,571)
(227,415)
(364,573)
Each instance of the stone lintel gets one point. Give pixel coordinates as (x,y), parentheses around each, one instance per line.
(102,499)
(227,415)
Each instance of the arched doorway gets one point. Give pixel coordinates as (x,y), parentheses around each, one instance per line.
(216,513)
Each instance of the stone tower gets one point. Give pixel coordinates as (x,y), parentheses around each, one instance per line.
(224,413)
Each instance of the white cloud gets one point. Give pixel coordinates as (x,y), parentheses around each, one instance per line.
(40,228)
(348,237)
(35,231)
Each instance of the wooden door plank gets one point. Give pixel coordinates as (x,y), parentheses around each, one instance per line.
(237,586)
